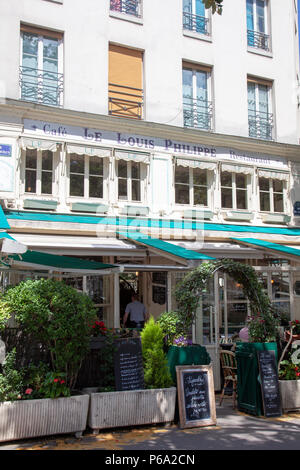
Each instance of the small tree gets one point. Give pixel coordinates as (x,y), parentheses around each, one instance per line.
(57,316)
(156,370)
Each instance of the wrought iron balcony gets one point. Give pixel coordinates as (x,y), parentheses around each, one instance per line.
(41,86)
(258,40)
(197,113)
(196,23)
(130,7)
(260,125)
(125,101)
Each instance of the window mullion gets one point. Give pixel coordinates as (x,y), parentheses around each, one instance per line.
(129,182)
(271,196)
(39,172)
(191,186)
(234,197)
(86,176)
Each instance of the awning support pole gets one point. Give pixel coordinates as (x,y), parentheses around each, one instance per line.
(116,301)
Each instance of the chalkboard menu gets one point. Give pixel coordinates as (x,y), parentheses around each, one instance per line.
(196,396)
(269,383)
(128,362)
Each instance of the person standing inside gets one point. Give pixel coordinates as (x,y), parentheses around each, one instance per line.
(135,313)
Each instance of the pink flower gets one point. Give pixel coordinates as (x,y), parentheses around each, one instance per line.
(28,391)
(55,380)
(62,382)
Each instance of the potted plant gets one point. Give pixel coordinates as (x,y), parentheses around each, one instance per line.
(44,400)
(293,331)
(289,375)
(153,404)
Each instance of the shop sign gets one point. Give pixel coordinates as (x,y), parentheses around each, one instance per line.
(5,150)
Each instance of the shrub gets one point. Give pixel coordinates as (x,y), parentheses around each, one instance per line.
(156,370)
(171,325)
(11,381)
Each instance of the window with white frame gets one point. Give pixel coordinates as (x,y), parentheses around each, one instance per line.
(86,176)
(271,194)
(234,190)
(41,65)
(191,186)
(197,100)
(195,17)
(39,172)
(257,24)
(129,7)
(260,116)
(130,177)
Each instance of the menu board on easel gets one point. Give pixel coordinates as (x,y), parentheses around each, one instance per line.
(196,396)
(269,383)
(128,364)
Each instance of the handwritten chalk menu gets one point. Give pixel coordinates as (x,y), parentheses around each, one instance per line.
(269,383)
(196,396)
(128,362)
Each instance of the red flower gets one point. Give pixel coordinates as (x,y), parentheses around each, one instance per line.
(297,373)
(62,382)
(28,391)
(55,380)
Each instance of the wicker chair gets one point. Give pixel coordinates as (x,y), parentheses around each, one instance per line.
(229,366)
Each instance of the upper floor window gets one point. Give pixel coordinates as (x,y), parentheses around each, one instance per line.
(125,87)
(86,176)
(39,167)
(192,185)
(129,180)
(234,191)
(257,27)
(197,104)
(271,194)
(41,78)
(130,7)
(195,17)
(260,117)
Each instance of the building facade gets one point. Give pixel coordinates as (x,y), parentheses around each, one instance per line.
(153,135)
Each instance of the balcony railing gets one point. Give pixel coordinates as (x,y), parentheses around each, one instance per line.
(41,86)
(130,7)
(197,113)
(260,125)
(258,40)
(125,101)
(196,23)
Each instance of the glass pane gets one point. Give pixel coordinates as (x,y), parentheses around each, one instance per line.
(200,8)
(30,181)
(96,166)
(236,316)
(234,290)
(31,158)
(136,190)
(264,201)
(187,6)
(30,44)
(240,181)
(122,188)
(263,91)
(47,160)
(76,163)
(95,289)
(135,170)
(46,182)
(251,99)
(241,199)
(77,185)
(187,82)
(182,194)
(250,15)
(264,184)
(182,175)
(280,286)
(201,85)
(278,186)
(260,12)
(50,48)
(200,176)
(122,169)
(226,198)
(96,186)
(278,203)
(226,179)
(200,196)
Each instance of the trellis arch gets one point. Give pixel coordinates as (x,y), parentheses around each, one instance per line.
(188,290)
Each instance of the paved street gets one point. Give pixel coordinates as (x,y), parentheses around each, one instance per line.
(234,431)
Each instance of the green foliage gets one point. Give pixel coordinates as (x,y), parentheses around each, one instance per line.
(215,5)
(54,386)
(4,313)
(57,316)
(11,381)
(290,368)
(156,370)
(171,325)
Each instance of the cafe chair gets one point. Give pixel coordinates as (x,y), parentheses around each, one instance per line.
(229,367)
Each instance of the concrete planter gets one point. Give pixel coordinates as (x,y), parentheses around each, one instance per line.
(290,394)
(33,418)
(133,407)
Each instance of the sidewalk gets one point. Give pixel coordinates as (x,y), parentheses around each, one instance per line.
(234,431)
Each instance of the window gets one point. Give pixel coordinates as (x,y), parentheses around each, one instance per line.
(197,105)
(125,87)
(130,7)
(41,80)
(271,195)
(191,186)
(38,171)
(260,117)
(257,36)
(129,180)
(194,16)
(234,194)
(86,176)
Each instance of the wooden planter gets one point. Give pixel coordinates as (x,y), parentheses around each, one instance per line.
(33,418)
(129,408)
(290,395)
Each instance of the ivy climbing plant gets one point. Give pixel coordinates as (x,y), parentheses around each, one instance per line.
(262,323)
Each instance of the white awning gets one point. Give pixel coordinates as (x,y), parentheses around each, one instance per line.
(27,143)
(92,151)
(132,156)
(192,163)
(245,170)
(273,174)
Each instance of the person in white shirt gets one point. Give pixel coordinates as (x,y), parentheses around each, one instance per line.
(135,313)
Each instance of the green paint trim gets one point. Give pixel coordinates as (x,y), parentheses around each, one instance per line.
(269,245)
(3,221)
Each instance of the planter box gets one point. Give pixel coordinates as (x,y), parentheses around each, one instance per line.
(130,408)
(33,418)
(290,395)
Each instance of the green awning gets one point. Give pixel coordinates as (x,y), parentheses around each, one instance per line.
(59,263)
(3,222)
(270,247)
(162,247)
